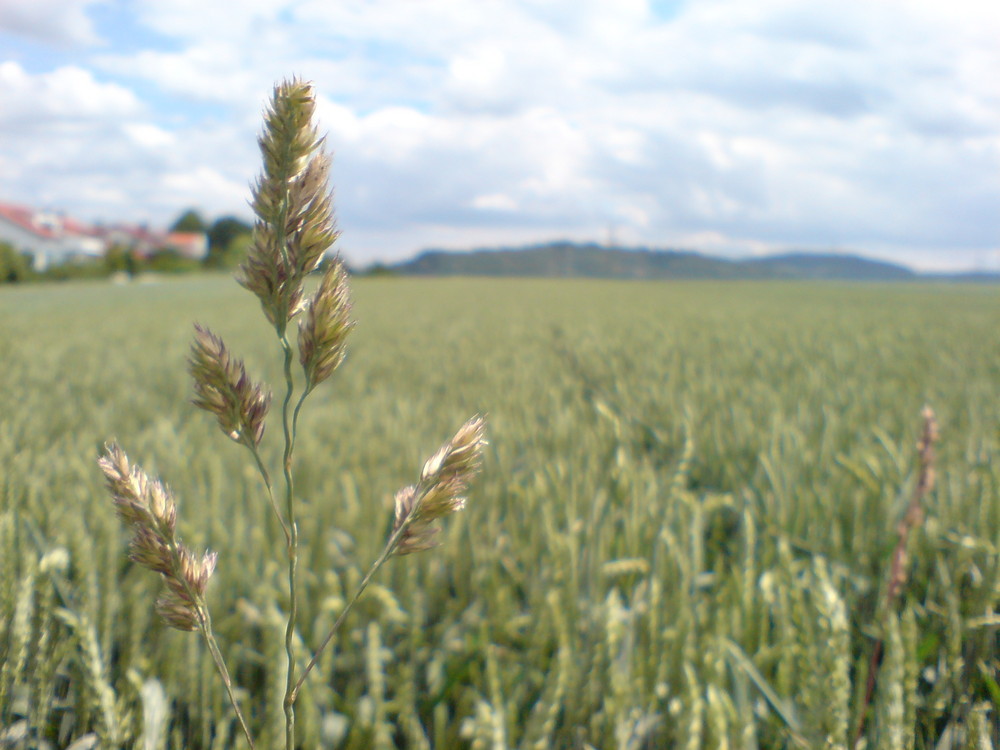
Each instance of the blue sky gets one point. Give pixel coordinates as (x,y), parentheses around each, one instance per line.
(732,127)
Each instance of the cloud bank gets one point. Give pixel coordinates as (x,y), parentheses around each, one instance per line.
(731,127)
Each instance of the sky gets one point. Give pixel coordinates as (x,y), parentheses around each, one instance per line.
(734,127)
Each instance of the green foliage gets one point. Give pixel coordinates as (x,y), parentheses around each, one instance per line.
(228,239)
(231,255)
(189,221)
(679,539)
(224,230)
(14,266)
(171,261)
(380,270)
(76,269)
(119,259)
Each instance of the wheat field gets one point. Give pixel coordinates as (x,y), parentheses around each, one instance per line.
(681,536)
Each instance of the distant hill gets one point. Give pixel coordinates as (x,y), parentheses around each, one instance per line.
(827,266)
(969,277)
(565,259)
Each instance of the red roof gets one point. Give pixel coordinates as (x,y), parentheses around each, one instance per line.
(137,233)
(25,218)
(33,221)
(77,227)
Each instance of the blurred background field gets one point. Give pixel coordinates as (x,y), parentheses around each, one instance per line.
(680,536)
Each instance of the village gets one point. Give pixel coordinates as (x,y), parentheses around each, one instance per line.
(51,238)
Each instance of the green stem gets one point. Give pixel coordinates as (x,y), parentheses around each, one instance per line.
(293,546)
(206,630)
(266,476)
(204,625)
(298,407)
(390,547)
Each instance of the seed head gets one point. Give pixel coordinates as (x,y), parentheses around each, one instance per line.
(196,572)
(323,331)
(419,536)
(150,549)
(443,479)
(148,508)
(222,388)
(139,500)
(265,273)
(176,608)
(295,223)
(458,460)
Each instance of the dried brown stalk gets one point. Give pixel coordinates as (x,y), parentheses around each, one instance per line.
(899,568)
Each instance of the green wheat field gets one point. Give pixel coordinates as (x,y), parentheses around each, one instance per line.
(680,538)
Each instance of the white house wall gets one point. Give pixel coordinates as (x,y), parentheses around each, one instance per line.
(45,251)
(39,248)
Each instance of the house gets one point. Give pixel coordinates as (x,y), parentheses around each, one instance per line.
(144,241)
(189,244)
(48,237)
(138,238)
(51,238)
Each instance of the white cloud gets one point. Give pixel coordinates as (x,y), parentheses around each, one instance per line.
(55,22)
(481,69)
(148,136)
(86,146)
(69,95)
(737,126)
(207,71)
(494,202)
(204,186)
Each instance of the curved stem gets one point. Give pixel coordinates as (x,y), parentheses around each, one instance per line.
(298,408)
(266,476)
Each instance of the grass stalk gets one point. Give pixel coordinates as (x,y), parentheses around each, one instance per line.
(205,622)
(272,501)
(294,229)
(418,507)
(899,566)
(293,546)
(386,553)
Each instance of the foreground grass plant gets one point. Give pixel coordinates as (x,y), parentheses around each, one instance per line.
(294,229)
